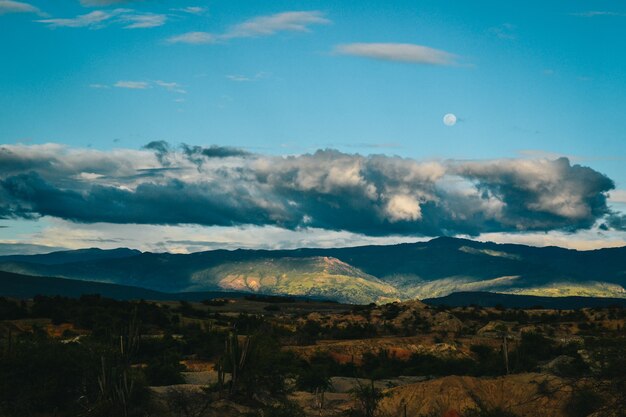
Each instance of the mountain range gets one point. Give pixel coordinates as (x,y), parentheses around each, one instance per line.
(355,275)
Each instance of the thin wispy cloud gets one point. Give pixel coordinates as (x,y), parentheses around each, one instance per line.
(99,3)
(144,21)
(132,85)
(269,25)
(197,10)
(99,19)
(194,38)
(504,31)
(293,21)
(9,6)
(597,13)
(94,20)
(245,78)
(173,87)
(399,52)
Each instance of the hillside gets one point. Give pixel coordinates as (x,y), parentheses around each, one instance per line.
(25,286)
(316,276)
(359,274)
(487,299)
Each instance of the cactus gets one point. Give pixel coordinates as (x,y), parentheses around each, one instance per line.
(236,354)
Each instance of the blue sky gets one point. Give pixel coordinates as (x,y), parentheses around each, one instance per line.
(525,80)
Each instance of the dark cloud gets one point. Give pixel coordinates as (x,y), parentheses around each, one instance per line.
(173,202)
(373,195)
(615,221)
(161,149)
(214,151)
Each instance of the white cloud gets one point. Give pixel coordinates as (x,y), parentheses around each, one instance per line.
(245,78)
(195,38)
(144,21)
(133,85)
(191,10)
(596,13)
(403,207)
(618,196)
(402,52)
(171,86)
(192,238)
(95,19)
(101,18)
(581,240)
(297,21)
(293,21)
(9,6)
(98,3)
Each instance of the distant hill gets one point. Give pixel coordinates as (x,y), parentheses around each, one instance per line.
(24,286)
(487,299)
(358,274)
(64,257)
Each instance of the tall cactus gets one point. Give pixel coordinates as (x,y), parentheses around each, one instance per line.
(236,354)
(115,382)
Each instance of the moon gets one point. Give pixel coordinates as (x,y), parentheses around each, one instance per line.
(449,119)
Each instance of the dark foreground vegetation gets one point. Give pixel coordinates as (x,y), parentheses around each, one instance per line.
(93,356)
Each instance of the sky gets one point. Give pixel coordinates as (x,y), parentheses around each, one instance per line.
(191,125)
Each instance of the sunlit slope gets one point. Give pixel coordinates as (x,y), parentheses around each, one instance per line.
(315,277)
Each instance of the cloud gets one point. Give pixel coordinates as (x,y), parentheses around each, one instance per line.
(293,21)
(615,221)
(191,10)
(370,195)
(401,52)
(596,13)
(171,86)
(26,249)
(99,3)
(193,238)
(93,19)
(144,21)
(504,31)
(245,78)
(297,21)
(618,196)
(9,6)
(194,38)
(99,19)
(133,85)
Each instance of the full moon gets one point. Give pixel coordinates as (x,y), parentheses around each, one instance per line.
(449,119)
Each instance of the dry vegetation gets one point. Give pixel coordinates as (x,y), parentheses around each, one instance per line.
(283,357)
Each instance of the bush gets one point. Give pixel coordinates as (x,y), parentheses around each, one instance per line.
(165,369)
(488,412)
(582,402)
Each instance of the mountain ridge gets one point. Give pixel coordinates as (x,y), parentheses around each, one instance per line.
(404,271)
